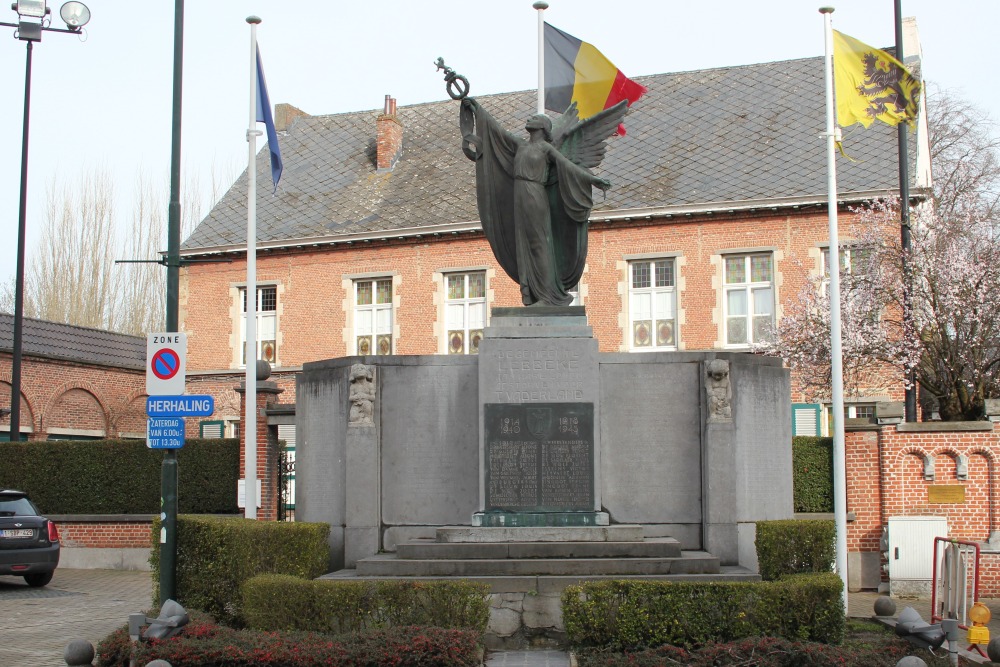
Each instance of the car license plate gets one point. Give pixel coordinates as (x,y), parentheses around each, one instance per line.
(17,532)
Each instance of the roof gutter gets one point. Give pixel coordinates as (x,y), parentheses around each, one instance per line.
(619,215)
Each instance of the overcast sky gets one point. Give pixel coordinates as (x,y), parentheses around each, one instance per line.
(106,102)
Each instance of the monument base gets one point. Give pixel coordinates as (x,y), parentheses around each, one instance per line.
(538,519)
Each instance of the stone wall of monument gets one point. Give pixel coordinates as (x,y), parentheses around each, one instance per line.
(388,447)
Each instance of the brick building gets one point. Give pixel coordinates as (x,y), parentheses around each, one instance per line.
(76,383)
(372,245)
(717,218)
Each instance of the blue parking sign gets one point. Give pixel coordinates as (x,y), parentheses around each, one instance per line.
(165,432)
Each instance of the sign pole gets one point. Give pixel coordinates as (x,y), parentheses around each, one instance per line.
(166,355)
(168,469)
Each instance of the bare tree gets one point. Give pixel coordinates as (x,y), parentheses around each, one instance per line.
(7,289)
(143,290)
(965,156)
(73,277)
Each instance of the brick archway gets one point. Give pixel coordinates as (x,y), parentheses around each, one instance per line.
(128,416)
(27,409)
(76,407)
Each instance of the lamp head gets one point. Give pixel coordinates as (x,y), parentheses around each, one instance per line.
(75,15)
(33,8)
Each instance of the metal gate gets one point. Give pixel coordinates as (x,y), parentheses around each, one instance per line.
(286,473)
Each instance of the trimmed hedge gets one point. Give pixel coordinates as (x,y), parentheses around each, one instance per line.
(120,476)
(281,602)
(812,473)
(768,652)
(215,555)
(795,546)
(622,615)
(205,644)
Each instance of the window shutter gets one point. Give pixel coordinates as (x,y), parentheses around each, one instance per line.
(805,419)
(286,432)
(212,429)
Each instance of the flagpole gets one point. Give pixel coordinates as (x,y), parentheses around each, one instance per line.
(541,7)
(910,396)
(250,348)
(836,354)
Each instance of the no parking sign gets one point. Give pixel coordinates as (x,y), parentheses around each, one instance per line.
(165,363)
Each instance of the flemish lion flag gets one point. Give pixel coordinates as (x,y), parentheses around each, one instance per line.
(871,84)
(577,72)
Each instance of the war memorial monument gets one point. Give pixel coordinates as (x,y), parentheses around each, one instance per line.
(542,461)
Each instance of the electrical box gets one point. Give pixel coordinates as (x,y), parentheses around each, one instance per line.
(911,553)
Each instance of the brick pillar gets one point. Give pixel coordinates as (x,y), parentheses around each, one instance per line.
(267,449)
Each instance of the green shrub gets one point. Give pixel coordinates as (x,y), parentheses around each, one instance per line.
(812,473)
(645,614)
(120,476)
(795,546)
(204,644)
(766,652)
(280,602)
(215,555)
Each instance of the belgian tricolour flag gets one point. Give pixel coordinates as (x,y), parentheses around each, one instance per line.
(577,72)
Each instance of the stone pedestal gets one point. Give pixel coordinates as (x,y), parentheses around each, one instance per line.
(539,405)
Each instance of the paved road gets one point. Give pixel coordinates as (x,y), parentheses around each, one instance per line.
(37,623)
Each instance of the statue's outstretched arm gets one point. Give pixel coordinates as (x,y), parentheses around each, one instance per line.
(564,162)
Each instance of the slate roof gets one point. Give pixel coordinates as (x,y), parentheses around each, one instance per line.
(702,140)
(53,340)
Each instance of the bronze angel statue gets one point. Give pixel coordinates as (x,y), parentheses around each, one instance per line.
(535,196)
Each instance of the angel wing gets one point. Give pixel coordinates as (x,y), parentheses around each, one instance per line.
(584,142)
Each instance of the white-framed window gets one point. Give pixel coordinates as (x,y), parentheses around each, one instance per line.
(859,411)
(373,316)
(852,260)
(652,307)
(851,411)
(465,311)
(749,298)
(267,324)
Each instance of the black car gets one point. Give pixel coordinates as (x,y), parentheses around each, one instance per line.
(29,543)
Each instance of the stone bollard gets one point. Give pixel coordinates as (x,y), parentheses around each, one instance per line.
(163,663)
(884,606)
(78,653)
(993,649)
(911,661)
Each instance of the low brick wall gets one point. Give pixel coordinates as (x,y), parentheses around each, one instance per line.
(102,531)
(104,541)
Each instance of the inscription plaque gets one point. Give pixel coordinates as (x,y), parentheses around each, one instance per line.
(946,493)
(539,456)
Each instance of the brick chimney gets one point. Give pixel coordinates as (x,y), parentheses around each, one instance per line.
(284,114)
(389,137)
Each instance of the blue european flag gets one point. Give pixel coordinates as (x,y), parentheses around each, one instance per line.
(264,116)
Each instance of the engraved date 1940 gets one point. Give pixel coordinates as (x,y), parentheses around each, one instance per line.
(509,425)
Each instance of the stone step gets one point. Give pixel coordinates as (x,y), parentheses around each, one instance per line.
(616,533)
(390,565)
(546,584)
(425,549)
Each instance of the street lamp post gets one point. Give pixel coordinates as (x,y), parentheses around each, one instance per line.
(32,20)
